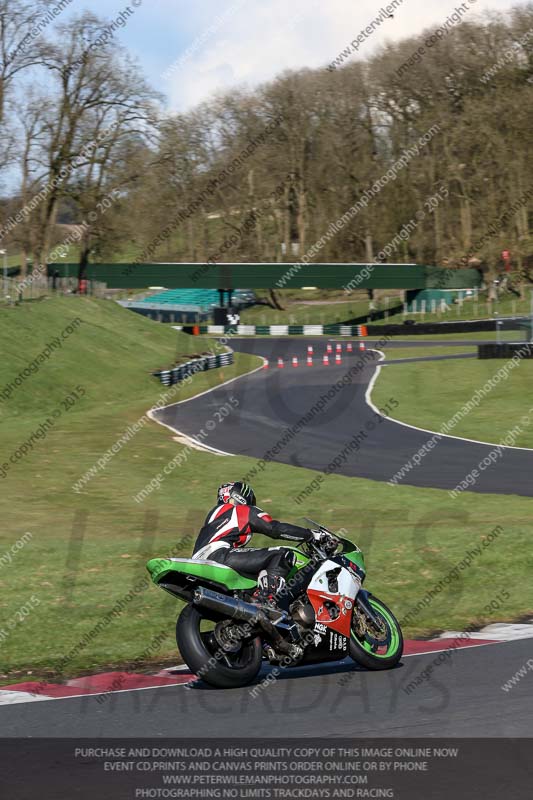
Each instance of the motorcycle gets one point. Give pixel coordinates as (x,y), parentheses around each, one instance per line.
(324,614)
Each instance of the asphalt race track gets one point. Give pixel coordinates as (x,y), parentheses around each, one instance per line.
(272,400)
(462,697)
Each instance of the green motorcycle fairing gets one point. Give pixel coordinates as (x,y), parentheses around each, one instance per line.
(300,562)
(159,568)
(226,576)
(357,558)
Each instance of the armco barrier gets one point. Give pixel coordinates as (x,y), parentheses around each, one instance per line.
(505,350)
(414,328)
(280,330)
(407,328)
(169,377)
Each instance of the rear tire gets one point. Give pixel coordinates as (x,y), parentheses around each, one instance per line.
(199,656)
(366,651)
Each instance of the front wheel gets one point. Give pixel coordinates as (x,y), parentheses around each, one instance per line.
(376,647)
(222,667)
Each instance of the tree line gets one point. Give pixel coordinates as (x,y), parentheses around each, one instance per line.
(263,174)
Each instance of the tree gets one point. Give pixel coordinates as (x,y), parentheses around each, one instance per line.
(18,48)
(100,97)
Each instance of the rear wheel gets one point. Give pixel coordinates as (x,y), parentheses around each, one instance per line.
(376,646)
(210,652)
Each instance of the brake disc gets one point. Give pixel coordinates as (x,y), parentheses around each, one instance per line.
(228,636)
(364,626)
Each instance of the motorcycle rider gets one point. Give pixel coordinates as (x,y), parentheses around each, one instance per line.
(229,526)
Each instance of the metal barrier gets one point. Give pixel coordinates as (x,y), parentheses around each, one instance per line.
(169,377)
(280,330)
(505,350)
(37,284)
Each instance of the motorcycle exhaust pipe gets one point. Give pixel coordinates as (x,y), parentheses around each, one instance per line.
(240,610)
(228,606)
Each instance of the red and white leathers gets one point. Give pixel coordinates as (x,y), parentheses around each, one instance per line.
(228,528)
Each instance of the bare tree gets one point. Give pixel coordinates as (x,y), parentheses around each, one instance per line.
(17,48)
(94,149)
(99,97)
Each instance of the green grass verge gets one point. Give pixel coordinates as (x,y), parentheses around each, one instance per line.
(506,306)
(296,313)
(423,352)
(88,550)
(299,314)
(430,393)
(358,306)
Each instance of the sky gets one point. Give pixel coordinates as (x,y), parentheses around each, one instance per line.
(189,51)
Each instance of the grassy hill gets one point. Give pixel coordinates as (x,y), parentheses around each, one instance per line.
(87,550)
(103,365)
(503,405)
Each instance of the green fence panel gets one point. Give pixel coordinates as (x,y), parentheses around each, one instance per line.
(253,276)
(274,276)
(438,278)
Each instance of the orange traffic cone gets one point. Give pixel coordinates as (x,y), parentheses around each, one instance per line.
(325,360)
(294,361)
(329,349)
(362,346)
(280,363)
(338,348)
(309,361)
(349,347)
(309,349)
(265,365)
(338,358)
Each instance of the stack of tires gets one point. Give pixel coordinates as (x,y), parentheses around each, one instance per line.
(169,377)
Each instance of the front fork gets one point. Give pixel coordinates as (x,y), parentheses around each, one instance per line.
(361,602)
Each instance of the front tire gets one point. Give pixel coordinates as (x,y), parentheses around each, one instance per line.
(199,653)
(377,649)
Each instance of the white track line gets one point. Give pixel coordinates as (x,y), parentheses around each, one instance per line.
(498,632)
(194,442)
(27,697)
(9,698)
(225,383)
(369,402)
(453,356)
